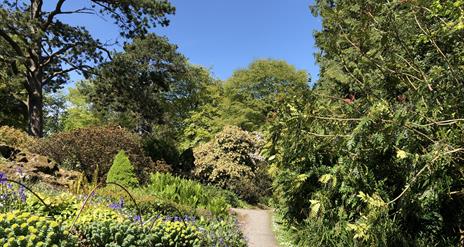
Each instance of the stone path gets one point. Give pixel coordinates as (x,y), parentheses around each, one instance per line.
(256,224)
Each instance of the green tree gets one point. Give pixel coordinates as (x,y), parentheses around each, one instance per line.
(79,113)
(253,93)
(134,81)
(372,156)
(42,49)
(122,171)
(248,99)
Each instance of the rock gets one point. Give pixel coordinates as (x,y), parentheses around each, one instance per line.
(23,165)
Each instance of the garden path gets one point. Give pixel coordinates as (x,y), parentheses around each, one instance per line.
(257,227)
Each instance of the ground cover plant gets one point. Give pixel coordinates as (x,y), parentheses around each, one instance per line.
(47,219)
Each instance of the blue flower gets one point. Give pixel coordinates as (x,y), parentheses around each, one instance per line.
(117,205)
(21,193)
(137,218)
(2,178)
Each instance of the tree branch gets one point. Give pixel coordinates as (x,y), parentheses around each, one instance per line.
(12,43)
(52,14)
(408,186)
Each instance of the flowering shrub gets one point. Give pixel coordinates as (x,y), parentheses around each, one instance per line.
(11,196)
(231,160)
(110,221)
(25,229)
(105,232)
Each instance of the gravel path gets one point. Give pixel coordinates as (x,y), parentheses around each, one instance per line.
(257,227)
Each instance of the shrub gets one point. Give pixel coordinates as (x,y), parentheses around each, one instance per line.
(122,171)
(92,150)
(230,160)
(192,193)
(15,138)
(25,229)
(161,148)
(130,233)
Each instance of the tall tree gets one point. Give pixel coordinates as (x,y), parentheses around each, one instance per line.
(253,93)
(135,81)
(375,157)
(43,50)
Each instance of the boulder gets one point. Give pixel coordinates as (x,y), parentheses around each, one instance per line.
(26,166)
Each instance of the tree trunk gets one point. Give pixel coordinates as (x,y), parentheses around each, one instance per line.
(35,111)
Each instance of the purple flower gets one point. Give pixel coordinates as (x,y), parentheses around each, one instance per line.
(137,218)
(22,194)
(2,178)
(117,205)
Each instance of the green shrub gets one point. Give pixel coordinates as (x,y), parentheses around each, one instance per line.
(230,160)
(161,148)
(24,229)
(122,171)
(129,233)
(192,193)
(15,138)
(91,150)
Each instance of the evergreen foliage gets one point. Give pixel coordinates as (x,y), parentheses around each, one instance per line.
(373,155)
(122,171)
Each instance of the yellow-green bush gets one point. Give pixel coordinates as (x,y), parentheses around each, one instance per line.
(105,232)
(24,229)
(122,171)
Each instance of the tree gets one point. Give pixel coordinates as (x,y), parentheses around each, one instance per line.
(79,113)
(247,99)
(373,155)
(43,50)
(134,81)
(253,93)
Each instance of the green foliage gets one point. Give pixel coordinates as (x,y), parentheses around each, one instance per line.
(204,121)
(15,138)
(91,150)
(127,233)
(40,52)
(78,114)
(372,156)
(230,161)
(252,93)
(133,82)
(25,229)
(122,171)
(191,193)
(221,232)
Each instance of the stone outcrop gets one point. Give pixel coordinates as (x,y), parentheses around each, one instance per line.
(26,166)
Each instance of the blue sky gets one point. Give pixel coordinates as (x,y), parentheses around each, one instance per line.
(228,35)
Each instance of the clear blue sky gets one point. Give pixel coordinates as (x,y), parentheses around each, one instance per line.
(228,35)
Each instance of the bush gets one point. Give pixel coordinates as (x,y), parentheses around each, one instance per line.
(15,138)
(230,160)
(91,150)
(161,148)
(191,193)
(24,229)
(122,171)
(130,233)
